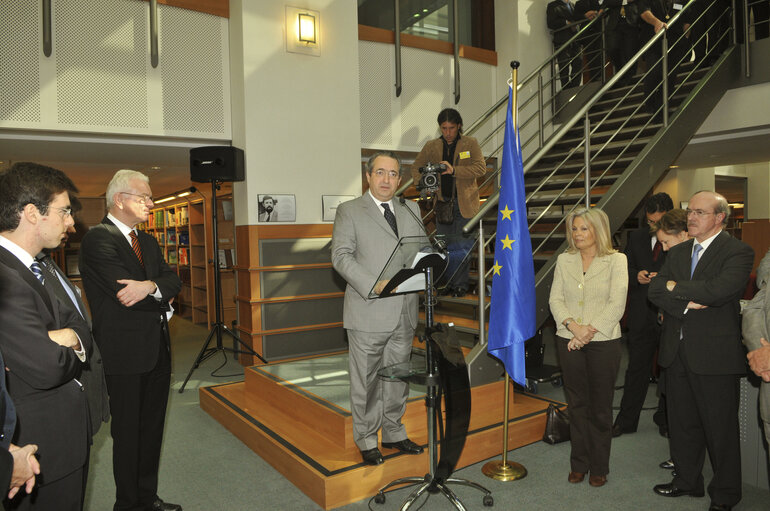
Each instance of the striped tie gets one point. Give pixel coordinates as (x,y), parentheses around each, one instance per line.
(390,217)
(38,271)
(135,245)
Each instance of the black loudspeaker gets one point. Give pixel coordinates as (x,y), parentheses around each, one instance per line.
(216,163)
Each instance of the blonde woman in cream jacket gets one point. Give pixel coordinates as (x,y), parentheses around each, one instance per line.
(588,297)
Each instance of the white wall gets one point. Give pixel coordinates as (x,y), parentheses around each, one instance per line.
(296,116)
(745,107)
(681,184)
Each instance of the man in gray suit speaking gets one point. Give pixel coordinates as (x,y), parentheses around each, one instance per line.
(380,331)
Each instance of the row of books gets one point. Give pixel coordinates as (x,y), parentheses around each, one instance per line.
(178,256)
(169,217)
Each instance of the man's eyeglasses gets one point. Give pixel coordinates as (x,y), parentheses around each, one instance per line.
(65,212)
(382,173)
(699,212)
(143,197)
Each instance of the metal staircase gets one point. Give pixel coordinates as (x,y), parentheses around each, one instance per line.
(597,144)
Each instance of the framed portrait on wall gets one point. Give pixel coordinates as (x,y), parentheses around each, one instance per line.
(275,207)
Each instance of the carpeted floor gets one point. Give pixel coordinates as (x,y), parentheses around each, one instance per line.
(205,468)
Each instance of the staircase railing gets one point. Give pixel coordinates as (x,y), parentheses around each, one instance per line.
(563,200)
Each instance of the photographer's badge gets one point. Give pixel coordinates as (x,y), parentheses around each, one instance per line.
(465,155)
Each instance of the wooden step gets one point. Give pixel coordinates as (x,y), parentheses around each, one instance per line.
(333,475)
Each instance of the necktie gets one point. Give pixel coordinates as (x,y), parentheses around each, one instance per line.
(390,217)
(53,283)
(38,271)
(695,251)
(135,245)
(656,250)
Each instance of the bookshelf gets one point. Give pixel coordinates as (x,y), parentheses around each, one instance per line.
(183,231)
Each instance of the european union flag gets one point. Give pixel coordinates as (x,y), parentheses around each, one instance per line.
(512,314)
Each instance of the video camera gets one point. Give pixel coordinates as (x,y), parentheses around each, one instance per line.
(430,178)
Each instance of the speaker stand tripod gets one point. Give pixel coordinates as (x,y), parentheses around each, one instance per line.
(218,328)
(430,378)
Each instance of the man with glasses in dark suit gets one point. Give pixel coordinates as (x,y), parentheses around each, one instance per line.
(129,286)
(698,289)
(44,343)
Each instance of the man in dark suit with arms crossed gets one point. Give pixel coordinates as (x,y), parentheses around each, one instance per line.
(43,342)
(129,287)
(699,288)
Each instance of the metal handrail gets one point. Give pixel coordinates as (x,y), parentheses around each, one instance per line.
(579,115)
(528,81)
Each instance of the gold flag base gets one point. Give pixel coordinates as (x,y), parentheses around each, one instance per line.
(504,470)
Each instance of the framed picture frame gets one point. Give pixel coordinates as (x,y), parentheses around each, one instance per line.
(329,204)
(274,207)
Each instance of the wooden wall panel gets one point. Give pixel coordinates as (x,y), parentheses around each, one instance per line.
(757,234)
(216,7)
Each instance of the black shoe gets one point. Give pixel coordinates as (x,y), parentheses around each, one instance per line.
(405,445)
(617,430)
(668,464)
(669,490)
(719,507)
(159,505)
(372,457)
(460,292)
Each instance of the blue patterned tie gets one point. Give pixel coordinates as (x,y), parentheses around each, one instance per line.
(694,262)
(38,271)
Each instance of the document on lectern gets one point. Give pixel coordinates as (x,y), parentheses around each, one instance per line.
(405,270)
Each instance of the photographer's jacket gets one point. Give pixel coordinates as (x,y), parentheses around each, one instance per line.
(468,164)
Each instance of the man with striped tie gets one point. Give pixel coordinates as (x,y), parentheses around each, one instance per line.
(44,343)
(130,287)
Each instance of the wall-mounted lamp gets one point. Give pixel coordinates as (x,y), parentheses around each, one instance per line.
(303,31)
(306,27)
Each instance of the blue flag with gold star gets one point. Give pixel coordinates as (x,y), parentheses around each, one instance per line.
(512,313)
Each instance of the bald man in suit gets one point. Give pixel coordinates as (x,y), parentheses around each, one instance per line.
(698,289)
(380,331)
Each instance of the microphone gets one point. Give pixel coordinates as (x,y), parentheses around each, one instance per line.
(439,244)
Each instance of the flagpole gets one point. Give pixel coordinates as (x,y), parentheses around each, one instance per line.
(504,470)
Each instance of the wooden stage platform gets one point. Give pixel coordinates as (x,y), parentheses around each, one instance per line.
(309,439)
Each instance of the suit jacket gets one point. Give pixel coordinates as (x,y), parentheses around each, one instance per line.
(711,337)
(8,416)
(468,164)
(597,298)
(51,408)
(362,242)
(128,337)
(273,216)
(639,254)
(558,16)
(92,373)
(756,325)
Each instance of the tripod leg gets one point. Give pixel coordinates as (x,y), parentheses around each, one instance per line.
(198,359)
(243,345)
(415,495)
(466,482)
(449,494)
(404,480)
